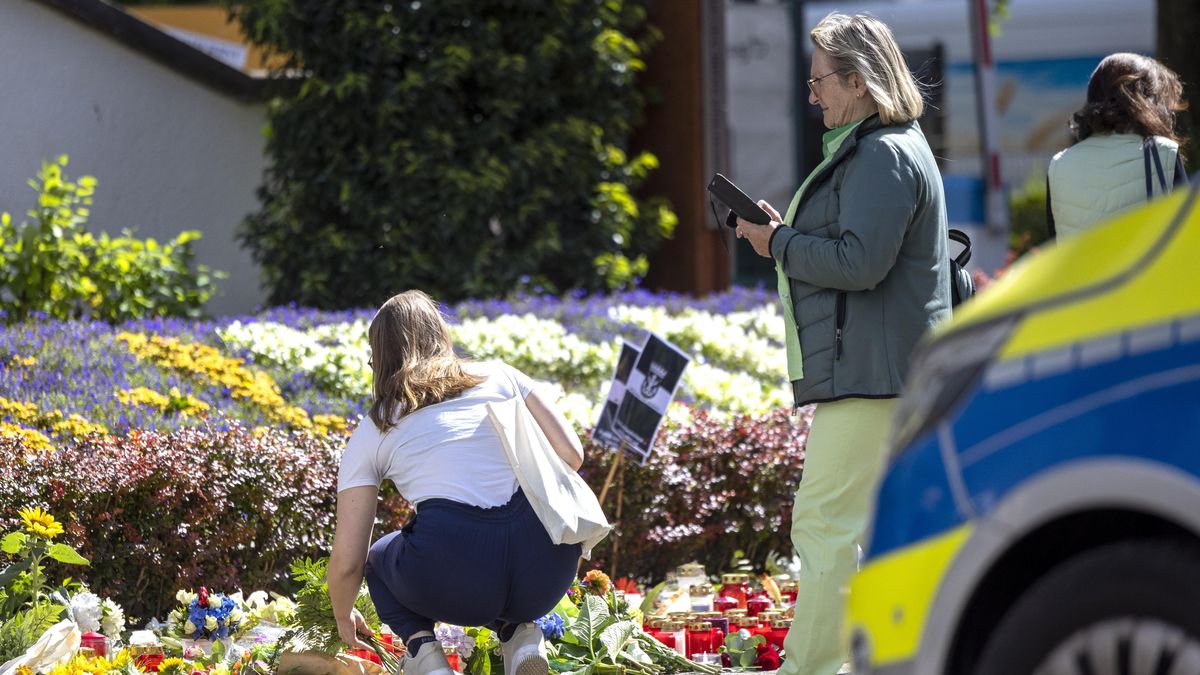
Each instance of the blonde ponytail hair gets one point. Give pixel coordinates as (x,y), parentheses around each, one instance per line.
(413,359)
(865,45)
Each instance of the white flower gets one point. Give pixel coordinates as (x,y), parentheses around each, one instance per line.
(184,597)
(236,616)
(278,611)
(85,610)
(210,622)
(190,627)
(257,599)
(113,620)
(214,601)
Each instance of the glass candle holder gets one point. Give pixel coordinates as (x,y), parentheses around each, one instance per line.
(699,637)
(95,642)
(656,631)
(702,598)
(718,622)
(735,586)
(365,655)
(147,657)
(679,633)
(736,618)
(724,603)
(788,591)
(757,604)
(452,658)
(779,631)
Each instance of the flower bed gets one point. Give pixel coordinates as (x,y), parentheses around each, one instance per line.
(205,451)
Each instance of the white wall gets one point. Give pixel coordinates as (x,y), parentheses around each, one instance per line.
(758,41)
(170,154)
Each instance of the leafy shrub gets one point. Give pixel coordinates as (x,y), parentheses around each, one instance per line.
(155,513)
(712,491)
(463,147)
(55,267)
(1027,217)
(232,509)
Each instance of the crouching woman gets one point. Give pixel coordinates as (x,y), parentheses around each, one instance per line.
(475,554)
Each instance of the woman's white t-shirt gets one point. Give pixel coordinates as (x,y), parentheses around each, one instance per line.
(448,450)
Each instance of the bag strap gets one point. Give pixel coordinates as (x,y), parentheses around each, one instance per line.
(1150,148)
(961,237)
(1050,227)
(1181,177)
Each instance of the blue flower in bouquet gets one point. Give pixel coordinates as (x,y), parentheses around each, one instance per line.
(208,616)
(552,626)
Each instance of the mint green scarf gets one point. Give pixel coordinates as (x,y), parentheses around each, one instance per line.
(831,141)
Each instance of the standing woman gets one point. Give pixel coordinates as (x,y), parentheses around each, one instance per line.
(475,554)
(863,273)
(1127,149)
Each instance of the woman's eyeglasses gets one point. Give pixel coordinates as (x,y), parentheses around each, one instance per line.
(812,82)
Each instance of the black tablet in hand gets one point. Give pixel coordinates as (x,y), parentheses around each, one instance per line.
(738,203)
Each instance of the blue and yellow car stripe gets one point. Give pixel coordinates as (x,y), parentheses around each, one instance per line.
(891,598)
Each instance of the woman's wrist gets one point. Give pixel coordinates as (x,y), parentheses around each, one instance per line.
(771,240)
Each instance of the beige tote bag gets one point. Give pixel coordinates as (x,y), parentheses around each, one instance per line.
(563,502)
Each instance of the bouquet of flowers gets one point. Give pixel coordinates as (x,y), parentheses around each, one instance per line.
(207,616)
(93,614)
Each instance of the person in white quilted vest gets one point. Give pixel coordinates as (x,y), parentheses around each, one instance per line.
(1128,147)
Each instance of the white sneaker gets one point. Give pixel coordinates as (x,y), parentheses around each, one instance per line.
(430,661)
(525,653)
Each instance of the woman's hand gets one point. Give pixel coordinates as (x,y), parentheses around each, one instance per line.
(759,236)
(349,628)
(351,539)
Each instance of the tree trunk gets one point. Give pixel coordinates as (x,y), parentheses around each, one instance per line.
(1179,49)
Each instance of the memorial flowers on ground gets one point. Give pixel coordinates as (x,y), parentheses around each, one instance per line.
(229,432)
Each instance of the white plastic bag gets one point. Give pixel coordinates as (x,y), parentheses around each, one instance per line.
(563,502)
(57,645)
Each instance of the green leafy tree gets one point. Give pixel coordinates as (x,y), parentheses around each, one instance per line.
(461,146)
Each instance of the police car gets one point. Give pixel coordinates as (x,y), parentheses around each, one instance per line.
(1040,512)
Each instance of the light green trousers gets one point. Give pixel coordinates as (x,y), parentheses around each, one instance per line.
(843,460)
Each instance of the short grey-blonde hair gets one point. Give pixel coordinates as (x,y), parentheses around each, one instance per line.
(865,45)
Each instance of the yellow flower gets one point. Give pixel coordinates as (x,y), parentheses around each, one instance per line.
(121,659)
(30,439)
(24,670)
(168,663)
(207,363)
(38,521)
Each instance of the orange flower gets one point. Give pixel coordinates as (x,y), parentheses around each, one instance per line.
(597,582)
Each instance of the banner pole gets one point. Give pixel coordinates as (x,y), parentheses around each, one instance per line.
(616,534)
(612,471)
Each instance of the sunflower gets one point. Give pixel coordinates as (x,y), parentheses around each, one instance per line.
(170,662)
(38,521)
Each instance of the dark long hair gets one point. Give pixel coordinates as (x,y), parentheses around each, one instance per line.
(412,359)
(1130,94)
